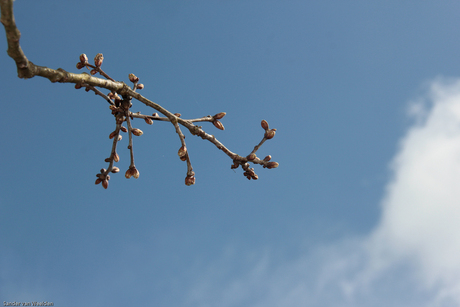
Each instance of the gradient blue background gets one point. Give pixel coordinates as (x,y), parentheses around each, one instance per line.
(334,77)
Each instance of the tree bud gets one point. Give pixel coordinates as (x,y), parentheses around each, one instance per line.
(272,165)
(133,78)
(98,60)
(78,86)
(182,151)
(105,183)
(93,72)
(219,115)
(116,157)
(83,58)
(137,132)
(267,158)
(119,137)
(98,180)
(115,169)
(112,135)
(251,157)
(218,125)
(177,114)
(148,121)
(140,86)
(189,180)
(269,134)
(80,65)
(122,128)
(264,124)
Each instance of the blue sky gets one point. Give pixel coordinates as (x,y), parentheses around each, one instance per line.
(362,210)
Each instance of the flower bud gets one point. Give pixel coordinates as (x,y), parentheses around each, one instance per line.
(140,86)
(115,169)
(177,114)
(105,183)
(128,173)
(135,173)
(219,115)
(119,137)
(272,165)
(112,135)
(267,158)
(218,125)
(83,58)
(80,65)
(78,86)
(116,157)
(108,159)
(122,128)
(148,121)
(137,132)
(189,180)
(98,60)
(264,124)
(182,151)
(251,157)
(93,72)
(103,170)
(133,78)
(183,158)
(269,134)
(155,114)
(98,180)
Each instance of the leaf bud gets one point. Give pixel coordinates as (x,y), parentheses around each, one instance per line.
(119,137)
(93,72)
(83,58)
(155,114)
(251,157)
(140,86)
(128,173)
(105,183)
(80,65)
(264,124)
(269,134)
(116,157)
(103,170)
(135,172)
(267,158)
(219,115)
(112,135)
(98,60)
(189,180)
(122,128)
(218,125)
(272,165)
(133,78)
(115,169)
(98,180)
(78,86)
(148,121)
(182,151)
(177,114)
(137,132)
(108,159)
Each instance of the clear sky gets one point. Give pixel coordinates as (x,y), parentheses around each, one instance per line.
(362,211)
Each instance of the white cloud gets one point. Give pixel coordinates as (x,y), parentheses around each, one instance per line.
(411,258)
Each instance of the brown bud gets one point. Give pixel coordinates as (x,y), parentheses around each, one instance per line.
(218,125)
(189,180)
(122,128)
(98,60)
(115,169)
(132,172)
(137,132)
(251,157)
(267,158)
(80,65)
(116,157)
(93,72)
(108,159)
(133,78)
(103,170)
(140,86)
(177,114)
(264,124)
(98,180)
(183,158)
(135,173)
(272,165)
(255,177)
(78,86)
(83,58)
(182,151)
(148,121)
(112,135)
(105,183)
(269,134)
(113,108)
(219,115)
(128,173)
